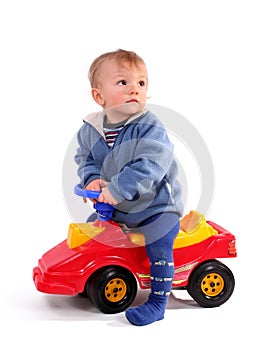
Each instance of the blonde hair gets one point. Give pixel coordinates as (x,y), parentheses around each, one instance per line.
(123,57)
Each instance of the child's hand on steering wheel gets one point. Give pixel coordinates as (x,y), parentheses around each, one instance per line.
(94,185)
(106,197)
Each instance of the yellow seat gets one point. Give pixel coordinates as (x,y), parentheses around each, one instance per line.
(193,229)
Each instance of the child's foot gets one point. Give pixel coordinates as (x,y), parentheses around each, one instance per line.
(152,311)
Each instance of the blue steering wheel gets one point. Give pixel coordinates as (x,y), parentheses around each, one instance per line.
(104,210)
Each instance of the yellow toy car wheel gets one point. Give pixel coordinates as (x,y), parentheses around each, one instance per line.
(115,290)
(211,283)
(112,289)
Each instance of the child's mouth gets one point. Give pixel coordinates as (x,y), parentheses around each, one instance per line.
(132,100)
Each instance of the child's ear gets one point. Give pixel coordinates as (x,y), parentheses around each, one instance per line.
(97,96)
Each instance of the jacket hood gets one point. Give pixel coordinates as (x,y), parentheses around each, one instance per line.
(97,119)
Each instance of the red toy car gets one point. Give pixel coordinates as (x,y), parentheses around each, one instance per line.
(106,263)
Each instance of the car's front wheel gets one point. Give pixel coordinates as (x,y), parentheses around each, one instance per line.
(112,289)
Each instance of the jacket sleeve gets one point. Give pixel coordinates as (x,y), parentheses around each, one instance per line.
(88,169)
(153,156)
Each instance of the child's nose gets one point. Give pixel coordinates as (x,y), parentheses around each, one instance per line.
(133,89)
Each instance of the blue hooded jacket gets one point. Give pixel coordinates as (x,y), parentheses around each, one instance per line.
(140,167)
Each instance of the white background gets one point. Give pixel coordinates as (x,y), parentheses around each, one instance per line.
(212,61)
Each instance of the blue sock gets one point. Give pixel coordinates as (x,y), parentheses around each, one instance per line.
(160,253)
(153,310)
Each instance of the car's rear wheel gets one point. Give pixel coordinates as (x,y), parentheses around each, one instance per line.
(112,289)
(211,284)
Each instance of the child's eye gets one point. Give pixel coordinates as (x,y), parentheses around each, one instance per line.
(141,83)
(122,82)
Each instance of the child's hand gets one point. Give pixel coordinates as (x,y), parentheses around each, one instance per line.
(94,185)
(97,185)
(106,197)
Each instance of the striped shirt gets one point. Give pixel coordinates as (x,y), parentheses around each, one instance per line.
(111,131)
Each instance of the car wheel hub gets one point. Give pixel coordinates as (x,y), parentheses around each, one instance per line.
(115,290)
(212,284)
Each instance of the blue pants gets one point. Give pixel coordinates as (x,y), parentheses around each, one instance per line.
(160,232)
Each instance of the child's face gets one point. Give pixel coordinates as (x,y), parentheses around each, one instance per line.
(121,90)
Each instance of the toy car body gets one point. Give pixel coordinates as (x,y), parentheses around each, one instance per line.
(106,263)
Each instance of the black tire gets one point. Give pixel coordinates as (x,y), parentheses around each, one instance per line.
(211,284)
(83,294)
(112,289)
